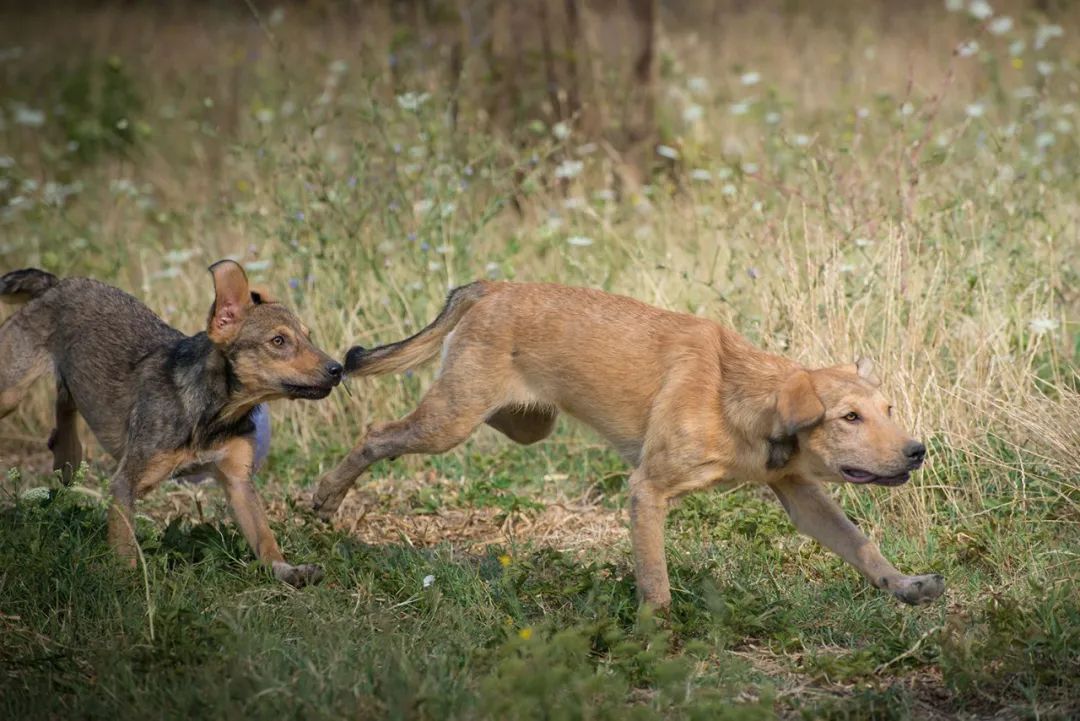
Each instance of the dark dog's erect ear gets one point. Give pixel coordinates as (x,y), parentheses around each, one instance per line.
(260,295)
(797,406)
(232,298)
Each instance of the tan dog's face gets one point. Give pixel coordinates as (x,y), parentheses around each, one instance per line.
(270,350)
(848,432)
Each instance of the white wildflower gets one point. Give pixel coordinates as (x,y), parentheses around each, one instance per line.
(728,189)
(1025,92)
(801,140)
(666,151)
(579,241)
(1046,33)
(1044,67)
(411,101)
(1000,25)
(697,84)
(264,115)
(338,67)
(6,161)
(422,207)
(749,168)
(257,266)
(1044,139)
(444,250)
(1039,326)
(980,9)
(772,117)
(586,149)
(701,175)
(35,495)
(862,113)
(569,169)
(574,202)
(434,266)
(967,48)
(975,110)
(604,195)
(1017,47)
(428,580)
(907,109)
(560,130)
(29,117)
(447,209)
(862,242)
(1063,126)
(740,108)
(693,113)
(750,78)
(167,273)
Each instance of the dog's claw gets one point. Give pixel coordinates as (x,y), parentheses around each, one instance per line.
(920,590)
(306,574)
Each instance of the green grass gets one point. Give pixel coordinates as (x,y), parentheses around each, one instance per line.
(763,623)
(871,193)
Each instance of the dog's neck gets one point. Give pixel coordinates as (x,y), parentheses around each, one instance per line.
(212,396)
(751,380)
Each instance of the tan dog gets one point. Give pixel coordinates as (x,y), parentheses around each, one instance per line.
(684,400)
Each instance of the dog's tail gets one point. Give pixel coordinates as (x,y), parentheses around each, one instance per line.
(19,286)
(423,346)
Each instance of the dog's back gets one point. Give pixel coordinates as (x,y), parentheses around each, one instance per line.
(96,336)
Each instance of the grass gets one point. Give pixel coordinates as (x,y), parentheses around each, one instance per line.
(870,193)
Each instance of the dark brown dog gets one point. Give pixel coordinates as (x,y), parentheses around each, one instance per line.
(160,402)
(685,401)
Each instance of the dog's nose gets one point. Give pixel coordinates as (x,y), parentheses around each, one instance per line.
(334,369)
(915,452)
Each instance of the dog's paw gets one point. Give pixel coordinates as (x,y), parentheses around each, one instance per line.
(325,502)
(297,576)
(919,590)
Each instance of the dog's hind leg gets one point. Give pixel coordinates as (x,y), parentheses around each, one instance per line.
(459,401)
(23,357)
(64,439)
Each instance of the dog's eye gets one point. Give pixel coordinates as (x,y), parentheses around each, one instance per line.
(851,417)
(278,340)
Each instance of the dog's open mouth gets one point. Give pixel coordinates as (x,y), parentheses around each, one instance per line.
(309,392)
(857,475)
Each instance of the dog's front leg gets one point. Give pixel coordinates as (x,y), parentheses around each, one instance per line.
(136,475)
(648,511)
(817,515)
(233,472)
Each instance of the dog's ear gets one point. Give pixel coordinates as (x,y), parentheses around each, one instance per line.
(232,298)
(797,406)
(260,295)
(864,367)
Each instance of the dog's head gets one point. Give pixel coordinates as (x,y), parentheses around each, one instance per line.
(269,349)
(842,428)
